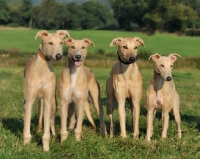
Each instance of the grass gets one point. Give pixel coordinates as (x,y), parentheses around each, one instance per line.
(162,43)
(92,144)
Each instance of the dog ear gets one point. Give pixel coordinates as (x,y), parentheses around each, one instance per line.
(62,33)
(88,42)
(173,56)
(155,57)
(42,34)
(68,41)
(139,41)
(115,41)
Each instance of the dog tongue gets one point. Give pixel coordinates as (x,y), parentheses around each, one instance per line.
(77,63)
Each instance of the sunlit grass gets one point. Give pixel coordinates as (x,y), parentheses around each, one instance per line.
(92,144)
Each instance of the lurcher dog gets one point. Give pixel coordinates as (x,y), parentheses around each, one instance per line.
(40,81)
(125,83)
(162,94)
(75,82)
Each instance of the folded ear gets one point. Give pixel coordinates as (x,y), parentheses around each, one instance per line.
(88,42)
(139,41)
(42,33)
(173,56)
(115,41)
(68,41)
(155,57)
(62,33)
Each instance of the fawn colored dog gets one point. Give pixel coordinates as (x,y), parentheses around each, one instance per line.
(125,83)
(75,84)
(162,94)
(40,81)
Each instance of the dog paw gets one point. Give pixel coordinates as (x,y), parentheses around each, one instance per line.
(45,142)
(27,139)
(64,137)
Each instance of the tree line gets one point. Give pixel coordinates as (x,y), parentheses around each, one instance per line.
(143,15)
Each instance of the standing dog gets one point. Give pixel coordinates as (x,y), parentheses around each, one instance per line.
(125,83)
(40,81)
(74,85)
(162,94)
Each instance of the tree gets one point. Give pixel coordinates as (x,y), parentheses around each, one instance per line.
(44,14)
(15,13)
(4,14)
(26,10)
(96,15)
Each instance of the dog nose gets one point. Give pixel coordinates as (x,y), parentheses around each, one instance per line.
(58,56)
(78,57)
(169,78)
(132,59)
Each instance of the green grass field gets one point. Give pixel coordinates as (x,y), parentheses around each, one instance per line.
(93,146)
(163,44)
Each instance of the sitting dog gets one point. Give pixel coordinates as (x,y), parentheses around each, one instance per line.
(40,81)
(162,94)
(125,83)
(75,84)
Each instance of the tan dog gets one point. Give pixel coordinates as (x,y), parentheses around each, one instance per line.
(74,85)
(162,94)
(40,81)
(125,83)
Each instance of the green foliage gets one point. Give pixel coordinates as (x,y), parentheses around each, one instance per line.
(26,10)
(4,14)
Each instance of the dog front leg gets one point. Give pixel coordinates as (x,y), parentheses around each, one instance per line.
(53,116)
(47,118)
(150,115)
(40,109)
(63,114)
(165,120)
(122,117)
(27,120)
(135,117)
(80,112)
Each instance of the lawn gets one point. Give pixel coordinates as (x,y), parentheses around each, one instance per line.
(162,43)
(92,144)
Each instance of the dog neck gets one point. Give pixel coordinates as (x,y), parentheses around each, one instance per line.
(41,54)
(126,63)
(159,81)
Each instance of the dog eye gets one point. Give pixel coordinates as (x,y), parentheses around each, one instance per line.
(125,47)
(135,47)
(61,43)
(73,47)
(162,65)
(171,66)
(50,43)
(83,47)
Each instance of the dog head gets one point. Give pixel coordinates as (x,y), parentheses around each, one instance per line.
(127,48)
(77,50)
(52,43)
(164,64)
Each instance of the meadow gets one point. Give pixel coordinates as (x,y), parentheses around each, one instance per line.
(24,41)
(92,144)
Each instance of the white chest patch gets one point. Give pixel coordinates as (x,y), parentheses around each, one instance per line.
(71,93)
(158,101)
(42,85)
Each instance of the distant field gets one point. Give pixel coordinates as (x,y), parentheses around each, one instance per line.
(160,43)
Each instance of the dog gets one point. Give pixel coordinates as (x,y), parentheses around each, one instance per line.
(75,84)
(162,94)
(125,83)
(40,82)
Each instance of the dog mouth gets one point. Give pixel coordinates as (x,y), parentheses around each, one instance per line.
(77,63)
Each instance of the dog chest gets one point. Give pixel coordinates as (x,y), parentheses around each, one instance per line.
(72,93)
